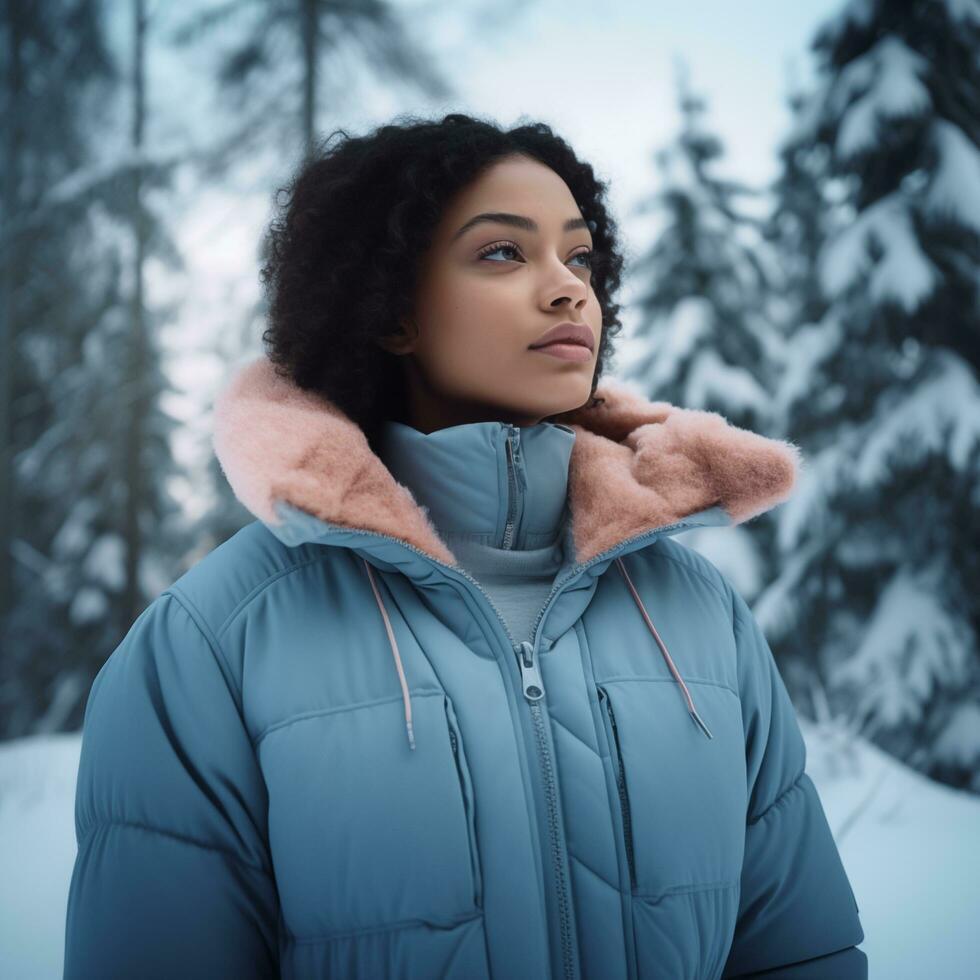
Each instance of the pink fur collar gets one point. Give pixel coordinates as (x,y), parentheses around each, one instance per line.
(635,465)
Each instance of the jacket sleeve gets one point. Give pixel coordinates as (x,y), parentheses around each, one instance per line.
(797,916)
(172,877)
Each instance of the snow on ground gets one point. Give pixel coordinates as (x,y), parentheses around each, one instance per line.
(911,848)
(37,851)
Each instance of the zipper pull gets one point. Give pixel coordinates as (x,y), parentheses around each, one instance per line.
(530,674)
(518,459)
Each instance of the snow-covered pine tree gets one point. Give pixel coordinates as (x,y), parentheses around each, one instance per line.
(57,69)
(702,319)
(880,582)
(796,229)
(87,396)
(802,218)
(701,294)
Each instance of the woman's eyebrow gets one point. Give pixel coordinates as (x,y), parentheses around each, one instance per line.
(516,220)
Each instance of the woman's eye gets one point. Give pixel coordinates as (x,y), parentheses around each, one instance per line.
(502,247)
(505,247)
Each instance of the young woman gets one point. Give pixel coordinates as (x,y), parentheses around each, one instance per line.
(457,704)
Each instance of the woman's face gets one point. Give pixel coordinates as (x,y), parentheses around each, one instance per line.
(487,290)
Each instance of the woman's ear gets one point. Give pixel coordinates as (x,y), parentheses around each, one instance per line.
(403,340)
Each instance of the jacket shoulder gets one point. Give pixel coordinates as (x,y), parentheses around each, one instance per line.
(238,570)
(700,569)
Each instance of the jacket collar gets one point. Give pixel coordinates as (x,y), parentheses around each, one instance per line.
(485,483)
(635,465)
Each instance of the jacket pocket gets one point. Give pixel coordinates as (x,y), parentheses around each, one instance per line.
(365,833)
(612,736)
(682,796)
(467,798)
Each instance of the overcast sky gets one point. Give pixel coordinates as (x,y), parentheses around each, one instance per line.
(603,74)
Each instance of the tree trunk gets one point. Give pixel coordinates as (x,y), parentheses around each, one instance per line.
(15,14)
(310,24)
(135,405)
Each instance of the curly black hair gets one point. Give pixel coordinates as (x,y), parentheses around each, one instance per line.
(344,250)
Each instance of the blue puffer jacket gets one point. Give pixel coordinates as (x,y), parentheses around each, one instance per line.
(320,753)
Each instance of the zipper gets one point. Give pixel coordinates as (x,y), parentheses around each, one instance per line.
(462,773)
(519,460)
(533,687)
(515,483)
(624,801)
(530,673)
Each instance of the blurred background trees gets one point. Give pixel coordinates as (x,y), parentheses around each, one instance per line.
(878,592)
(88,529)
(836,306)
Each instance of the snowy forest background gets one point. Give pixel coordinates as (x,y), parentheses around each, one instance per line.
(837,305)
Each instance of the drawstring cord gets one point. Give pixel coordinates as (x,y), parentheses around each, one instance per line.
(406,697)
(663,650)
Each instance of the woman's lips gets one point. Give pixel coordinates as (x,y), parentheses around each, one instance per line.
(567,352)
